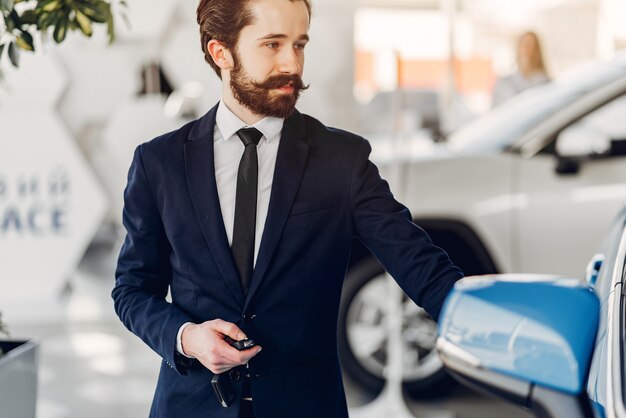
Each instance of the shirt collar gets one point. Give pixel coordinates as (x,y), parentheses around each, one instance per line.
(228,123)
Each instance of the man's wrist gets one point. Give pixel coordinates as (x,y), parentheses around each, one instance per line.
(179,340)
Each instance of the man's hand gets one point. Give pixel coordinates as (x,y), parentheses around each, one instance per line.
(206,343)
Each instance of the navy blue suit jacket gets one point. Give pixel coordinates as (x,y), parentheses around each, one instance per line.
(325,192)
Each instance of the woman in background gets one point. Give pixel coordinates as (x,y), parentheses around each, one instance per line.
(531,70)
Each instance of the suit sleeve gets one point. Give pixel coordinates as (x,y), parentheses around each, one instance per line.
(423,270)
(143,271)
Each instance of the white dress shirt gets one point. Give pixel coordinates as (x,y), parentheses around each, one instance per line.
(228,150)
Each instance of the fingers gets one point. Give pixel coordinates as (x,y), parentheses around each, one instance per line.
(221,363)
(250,352)
(236,357)
(220,359)
(229,329)
(214,352)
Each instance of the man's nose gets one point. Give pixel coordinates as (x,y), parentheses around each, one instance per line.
(289,62)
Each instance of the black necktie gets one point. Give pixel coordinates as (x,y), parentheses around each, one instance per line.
(245,206)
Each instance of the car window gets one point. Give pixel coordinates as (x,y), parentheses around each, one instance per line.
(499,129)
(603,131)
(609,119)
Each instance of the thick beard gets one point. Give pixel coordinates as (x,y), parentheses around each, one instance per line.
(257,97)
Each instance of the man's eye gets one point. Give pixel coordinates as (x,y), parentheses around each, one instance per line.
(272,45)
(300,46)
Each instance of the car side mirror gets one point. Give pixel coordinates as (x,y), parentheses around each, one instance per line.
(567,166)
(527,338)
(580,141)
(577,143)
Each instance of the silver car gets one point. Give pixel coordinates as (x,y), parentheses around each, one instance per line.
(530,187)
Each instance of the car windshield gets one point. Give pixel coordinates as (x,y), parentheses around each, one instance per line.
(497,130)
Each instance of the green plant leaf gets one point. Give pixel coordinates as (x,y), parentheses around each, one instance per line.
(60,29)
(47,19)
(111,28)
(25,41)
(15,17)
(61,15)
(29,17)
(84,23)
(49,5)
(97,12)
(9,23)
(6,4)
(14,55)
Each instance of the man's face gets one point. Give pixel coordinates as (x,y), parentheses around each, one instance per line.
(269,58)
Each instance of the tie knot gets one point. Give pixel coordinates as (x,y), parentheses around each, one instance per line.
(249,136)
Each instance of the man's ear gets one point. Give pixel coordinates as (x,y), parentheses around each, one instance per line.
(220,54)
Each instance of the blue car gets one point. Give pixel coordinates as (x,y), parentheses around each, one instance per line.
(553,345)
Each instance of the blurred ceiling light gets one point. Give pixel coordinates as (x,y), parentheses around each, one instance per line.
(83,308)
(112,365)
(89,344)
(415,34)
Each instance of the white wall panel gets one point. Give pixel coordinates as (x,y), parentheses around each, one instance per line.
(39,81)
(149,19)
(101,77)
(50,208)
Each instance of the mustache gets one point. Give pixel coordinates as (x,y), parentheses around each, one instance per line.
(282,80)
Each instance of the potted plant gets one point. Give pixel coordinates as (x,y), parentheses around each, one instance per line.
(24,19)
(18,376)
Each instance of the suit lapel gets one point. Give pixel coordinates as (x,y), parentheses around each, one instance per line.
(200,171)
(290,163)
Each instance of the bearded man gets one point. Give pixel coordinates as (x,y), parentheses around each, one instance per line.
(247,217)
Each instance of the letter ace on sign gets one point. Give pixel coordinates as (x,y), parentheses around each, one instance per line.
(50,208)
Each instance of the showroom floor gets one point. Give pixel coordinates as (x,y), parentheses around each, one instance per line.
(92,367)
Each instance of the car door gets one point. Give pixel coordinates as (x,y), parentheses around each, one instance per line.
(567,204)
(606,375)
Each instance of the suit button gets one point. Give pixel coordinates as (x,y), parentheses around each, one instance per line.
(234,375)
(249,317)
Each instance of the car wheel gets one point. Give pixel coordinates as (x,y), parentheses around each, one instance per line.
(363,336)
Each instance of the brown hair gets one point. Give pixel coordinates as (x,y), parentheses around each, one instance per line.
(223,20)
(534,62)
